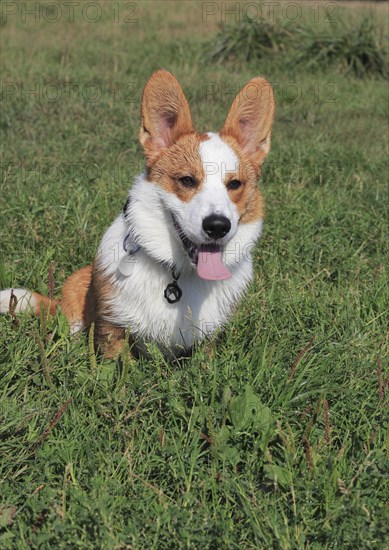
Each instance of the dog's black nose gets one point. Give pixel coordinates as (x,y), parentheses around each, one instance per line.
(216,226)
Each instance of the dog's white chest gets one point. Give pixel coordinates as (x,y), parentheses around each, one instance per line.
(138,300)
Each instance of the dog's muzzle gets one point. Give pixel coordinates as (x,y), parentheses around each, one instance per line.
(207,257)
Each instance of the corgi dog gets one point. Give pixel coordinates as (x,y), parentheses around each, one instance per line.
(174,264)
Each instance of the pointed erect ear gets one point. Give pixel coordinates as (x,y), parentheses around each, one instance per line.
(165,114)
(250,120)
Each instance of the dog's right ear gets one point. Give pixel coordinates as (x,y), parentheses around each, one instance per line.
(165,114)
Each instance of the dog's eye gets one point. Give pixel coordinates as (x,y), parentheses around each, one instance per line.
(187,181)
(233,184)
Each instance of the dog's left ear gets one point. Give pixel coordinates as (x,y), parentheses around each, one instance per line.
(165,114)
(250,120)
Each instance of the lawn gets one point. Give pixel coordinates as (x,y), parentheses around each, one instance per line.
(275,434)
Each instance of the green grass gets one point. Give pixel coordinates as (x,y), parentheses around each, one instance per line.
(358,47)
(251,39)
(275,435)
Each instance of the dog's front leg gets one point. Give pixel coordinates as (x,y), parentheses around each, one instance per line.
(108,339)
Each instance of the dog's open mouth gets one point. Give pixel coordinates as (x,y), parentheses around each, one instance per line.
(206,257)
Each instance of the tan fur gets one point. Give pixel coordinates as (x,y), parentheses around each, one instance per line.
(247,130)
(165,115)
(250,119)
(248,199)
(85,296)
(181,159)
(169,140)
(74,296)
(43,302)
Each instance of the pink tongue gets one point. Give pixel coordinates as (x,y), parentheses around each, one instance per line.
(210,265)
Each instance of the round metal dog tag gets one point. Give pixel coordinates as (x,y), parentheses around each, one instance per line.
(173,293)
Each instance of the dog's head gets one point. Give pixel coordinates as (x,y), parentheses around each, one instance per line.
(207,183)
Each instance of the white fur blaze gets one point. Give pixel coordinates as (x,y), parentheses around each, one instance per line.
(26,300)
